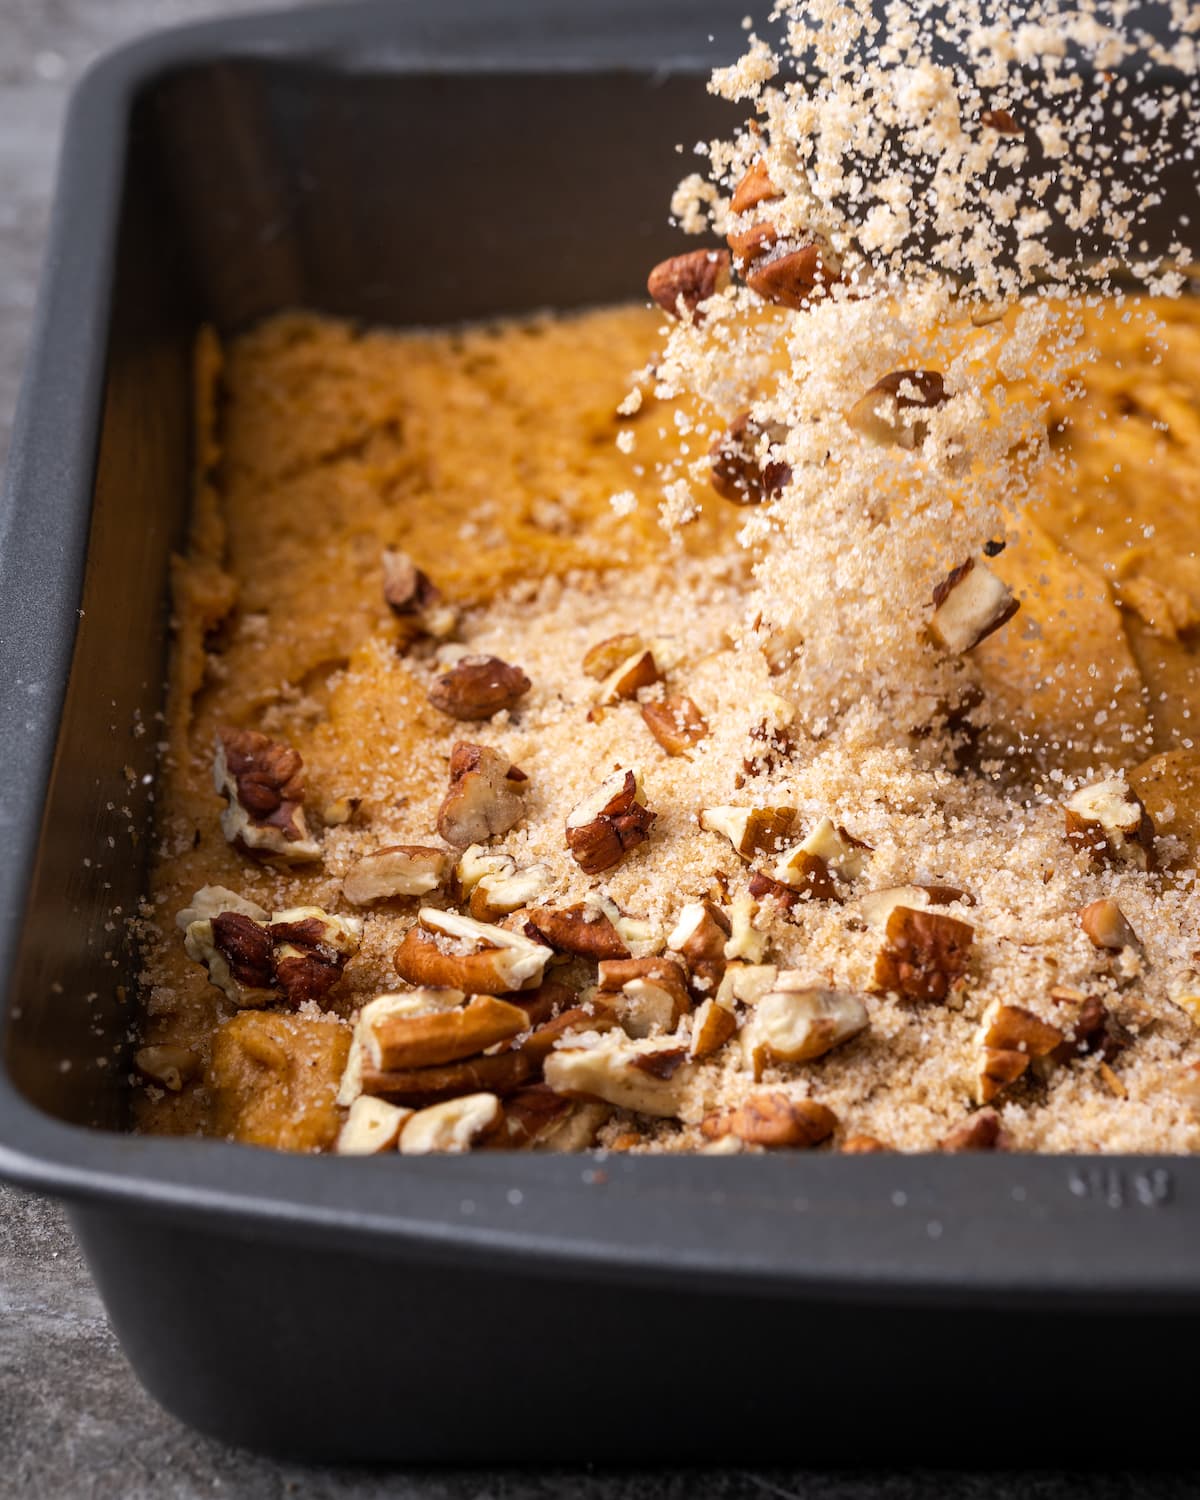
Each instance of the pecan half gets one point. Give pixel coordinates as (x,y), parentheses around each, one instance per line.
(675,722)
(476,687)
(247,948)
(682,283)
(925,955)
(484,797)
(773,1120)
(741,468)
(263,783)
(605,826)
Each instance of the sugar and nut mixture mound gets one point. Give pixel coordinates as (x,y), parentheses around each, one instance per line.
(788,747)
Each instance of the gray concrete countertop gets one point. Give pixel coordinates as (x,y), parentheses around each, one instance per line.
(73,1421)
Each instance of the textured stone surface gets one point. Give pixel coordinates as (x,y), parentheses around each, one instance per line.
(73,1421)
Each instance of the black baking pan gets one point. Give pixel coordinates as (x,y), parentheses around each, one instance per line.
(411,163)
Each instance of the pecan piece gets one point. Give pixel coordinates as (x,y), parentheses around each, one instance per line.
(397,1042)
(741,467)
(682,283)
(499,1073)
(797,1022)
(925,955)
(605,826)
(530,1115)
(483,798)
(1001,121)
(755,187)
(1010,1038)
(417,602)
(1108,821)
(700,935)
(648,995)
(863,1145)
(310,951)
(751,830)
(888,414)
(454,1125)
(773,1120)
(648,1076)
(372,1126)
(712,1027)
(676,723)
(169,1066)
(788,277)
(596,1017)
(1108,927)
(981,1131)
(1093,1029)
(969,604)
(476,687)
(497,961)
(263,783)
(573,930)
(398,870)
(247,948)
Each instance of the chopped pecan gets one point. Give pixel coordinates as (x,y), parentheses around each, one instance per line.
(648,1076)
(863,1145)
(1092,1029)
(628,677)
(1010,1038)
(497,961)
(311,948)
(411,596)
(968,605)
(1108,821)
(774,1120)
(700,935)
(981,1131)
(247,948)
(372,1126)
(476,687)
(682,283)
(530,1115)
(263,783)
(578,929)
(398,870)
(741,465)
(444,1036)
(841,851)
(925,955)
(605,826)
(803,873)
(876,907)
(1108,927)
(608,656)
(595,1017)
(712,1027)
(484,797)
(796,1022)
(755,187)
(497,1073)
(751,830)
(888,414)
(648,995)
(675,722)
(788,277)
(453,1125)
(1001,121)
(167,1065)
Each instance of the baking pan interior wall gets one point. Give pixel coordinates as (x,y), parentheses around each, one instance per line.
(252,186)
